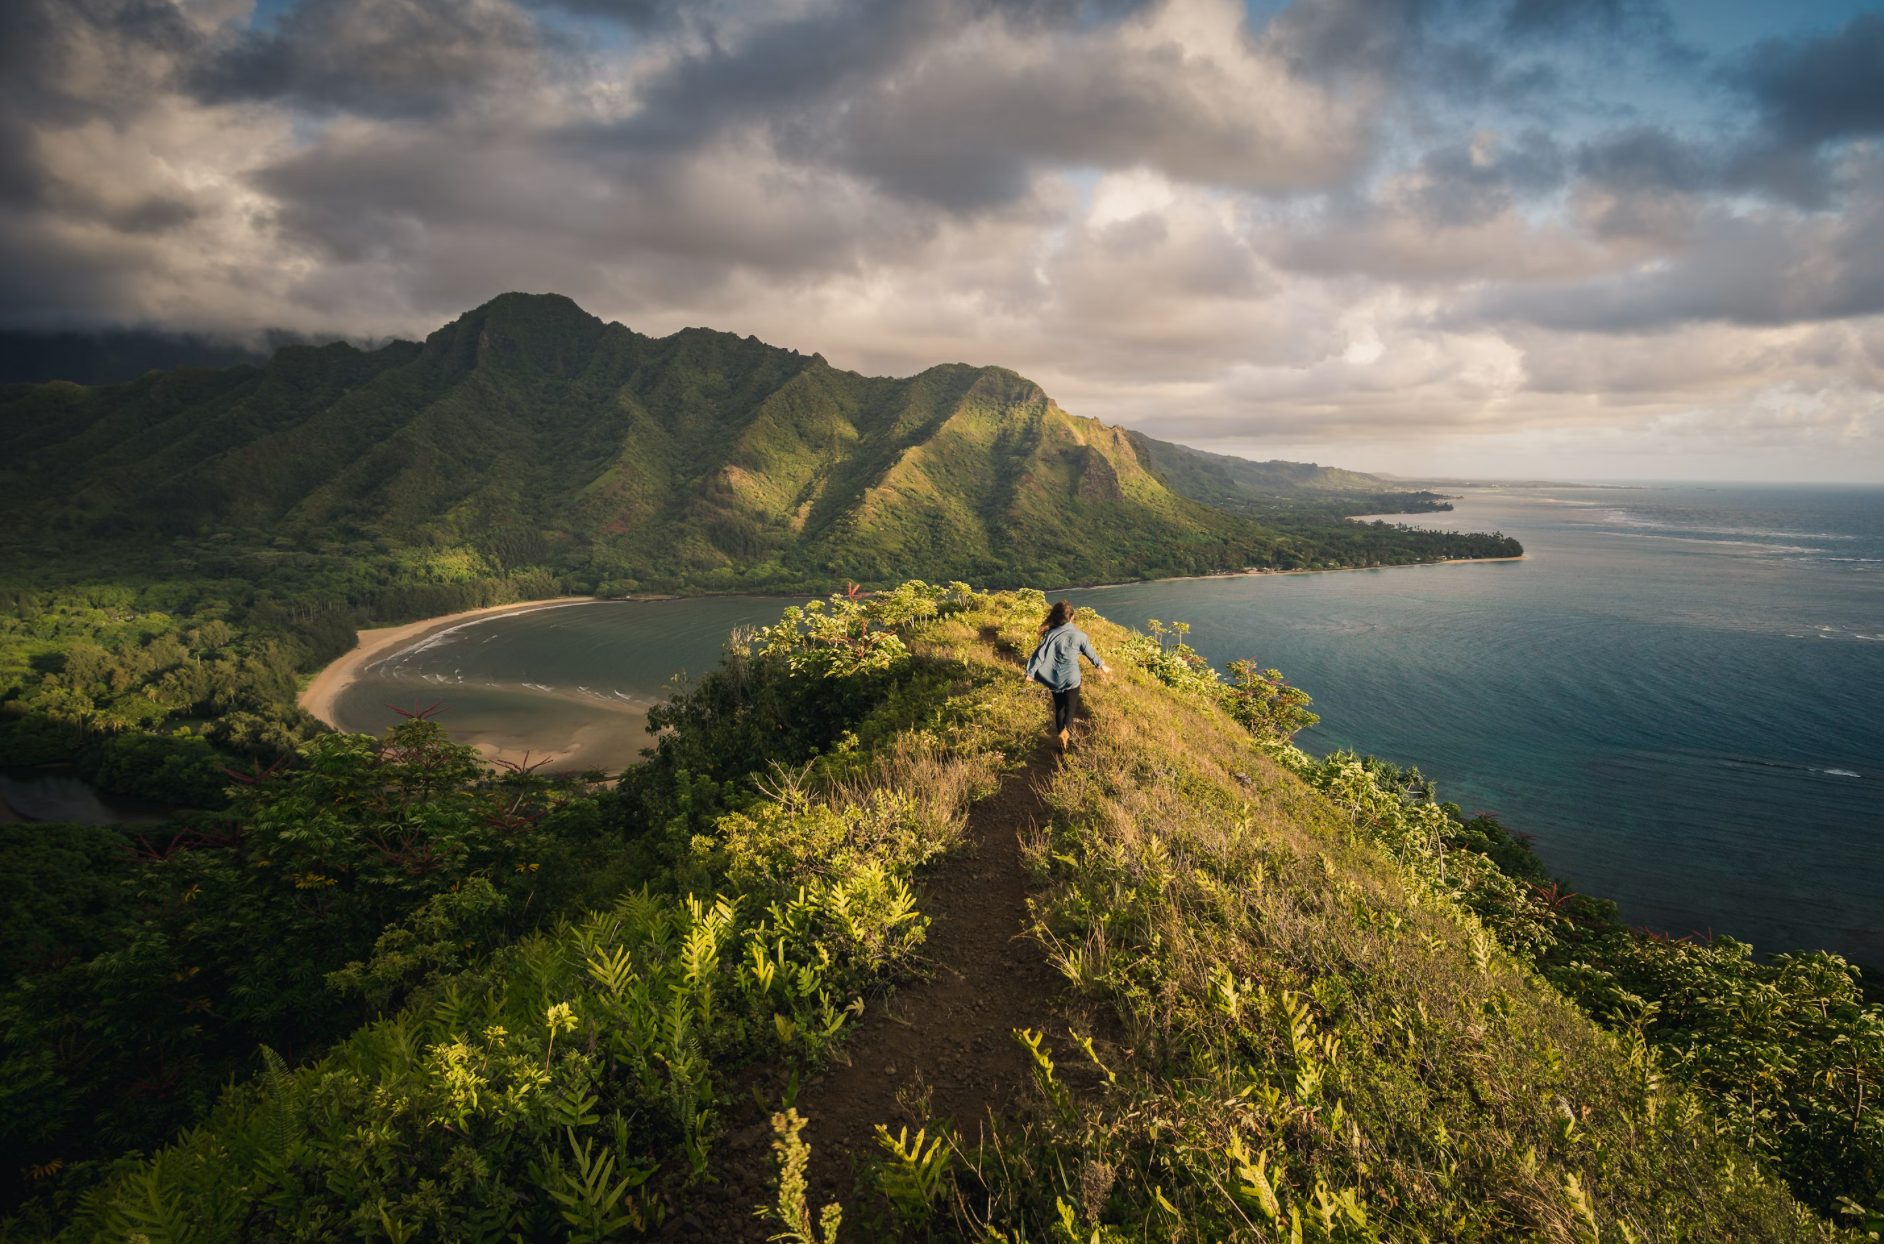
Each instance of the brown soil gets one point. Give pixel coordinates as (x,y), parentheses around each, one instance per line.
(941,1049)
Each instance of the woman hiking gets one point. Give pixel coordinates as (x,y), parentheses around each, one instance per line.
(1055,666)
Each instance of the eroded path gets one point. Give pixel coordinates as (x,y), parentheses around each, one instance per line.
(941,1048)
(944,1048)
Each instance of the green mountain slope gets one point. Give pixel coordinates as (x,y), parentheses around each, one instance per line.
(176,550)
(530,434)
(1287,490)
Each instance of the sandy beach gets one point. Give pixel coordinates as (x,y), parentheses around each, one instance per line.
(320,694)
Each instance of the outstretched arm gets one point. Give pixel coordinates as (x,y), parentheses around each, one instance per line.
(1085,648)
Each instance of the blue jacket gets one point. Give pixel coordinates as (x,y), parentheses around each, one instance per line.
(1056,661)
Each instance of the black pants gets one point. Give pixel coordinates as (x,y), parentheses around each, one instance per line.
(1065,706)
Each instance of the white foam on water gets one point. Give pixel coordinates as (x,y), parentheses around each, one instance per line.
(1717,544)
(438,637)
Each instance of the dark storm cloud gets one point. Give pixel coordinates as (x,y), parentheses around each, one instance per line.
(1562,19)
(430,199)
(1462,184)
(46,279)
(800,81)
(641,14)
(1648,158)
(1647,184)
(1467,49)
(790,66)
(46,283)
(22,182)
(49,41)
(888,91)
(377,57)
(1346,36)
(1807,93)
(655,14)
(1811,91)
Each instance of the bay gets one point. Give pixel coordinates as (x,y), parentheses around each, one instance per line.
(1676,692)
(572,684)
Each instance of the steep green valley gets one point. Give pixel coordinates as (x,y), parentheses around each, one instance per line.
(179,548)
(529,434)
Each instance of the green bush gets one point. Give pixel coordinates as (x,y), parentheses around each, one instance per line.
(501,1077)
(63,895)
(33,740)
(180,769)
(1786,1053)
(228,926)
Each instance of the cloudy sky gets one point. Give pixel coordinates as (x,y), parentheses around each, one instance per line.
(1610,238)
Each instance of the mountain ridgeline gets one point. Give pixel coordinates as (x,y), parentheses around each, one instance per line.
(529,436)
(1292,493)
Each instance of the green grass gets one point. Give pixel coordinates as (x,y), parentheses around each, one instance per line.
(1300,1004)
(1313,1036)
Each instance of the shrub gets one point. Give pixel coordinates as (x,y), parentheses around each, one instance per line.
(179,769)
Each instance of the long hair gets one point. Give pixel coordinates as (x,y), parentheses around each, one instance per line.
(1059,615)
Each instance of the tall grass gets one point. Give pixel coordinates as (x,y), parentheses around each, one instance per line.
(1318,1042)
(1301,1030)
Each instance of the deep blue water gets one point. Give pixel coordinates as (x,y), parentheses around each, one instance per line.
(1677,691)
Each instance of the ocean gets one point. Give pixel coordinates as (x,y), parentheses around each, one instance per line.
(1677,692)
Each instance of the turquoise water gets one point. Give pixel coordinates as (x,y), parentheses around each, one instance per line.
(1677,691)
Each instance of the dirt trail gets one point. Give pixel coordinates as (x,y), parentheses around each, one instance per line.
(942,1048)
(950,1038)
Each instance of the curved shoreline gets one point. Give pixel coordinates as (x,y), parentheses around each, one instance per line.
(318,696)
(1261,574)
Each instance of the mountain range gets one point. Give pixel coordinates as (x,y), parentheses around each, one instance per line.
(529,434)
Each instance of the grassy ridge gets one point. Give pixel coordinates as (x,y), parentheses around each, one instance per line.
(1298,935)
(1287,492)
(1321,1038)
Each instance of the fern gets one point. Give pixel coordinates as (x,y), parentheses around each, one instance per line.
(912,1178)
(790,1210)
(277,1082)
